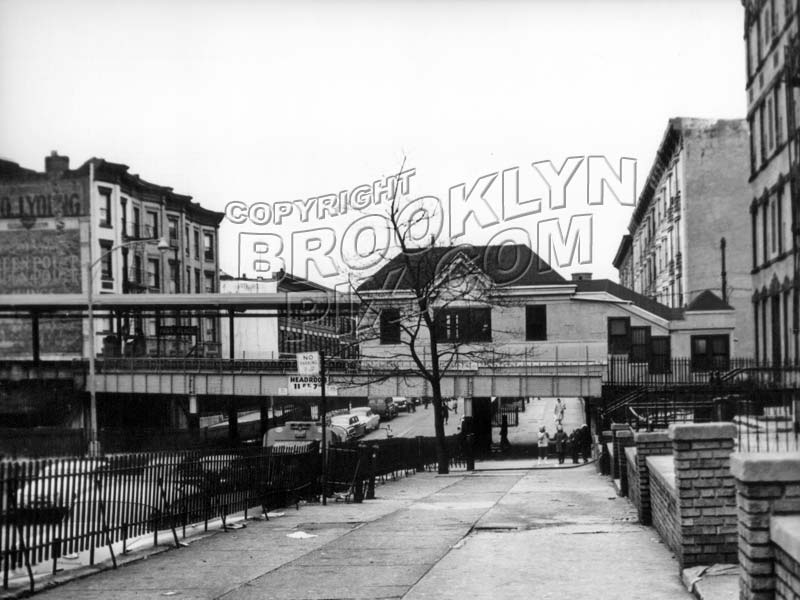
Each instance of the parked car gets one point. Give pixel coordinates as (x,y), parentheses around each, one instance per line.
(385,408)
(296,434)
(371,420)
(401,402)
(56,486)
(354,426)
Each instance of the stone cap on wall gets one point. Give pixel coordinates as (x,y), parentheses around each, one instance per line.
(624,433)
(702,431)
(663,468)
(620,426)
(784,530)
(765,466)
(648,437)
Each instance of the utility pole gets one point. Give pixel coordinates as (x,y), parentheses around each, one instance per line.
(724,273)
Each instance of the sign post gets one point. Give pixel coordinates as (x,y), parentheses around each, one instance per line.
(323,409)
(313,363)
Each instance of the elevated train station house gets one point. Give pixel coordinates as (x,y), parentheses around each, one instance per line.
(521,330)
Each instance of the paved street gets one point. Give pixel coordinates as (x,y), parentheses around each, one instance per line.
(560,533)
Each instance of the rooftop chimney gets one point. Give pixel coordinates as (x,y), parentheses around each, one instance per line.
(581,276)
(55,165)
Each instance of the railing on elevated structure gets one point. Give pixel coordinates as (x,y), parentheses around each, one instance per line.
(761,398)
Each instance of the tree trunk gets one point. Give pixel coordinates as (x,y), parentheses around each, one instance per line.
(441,448)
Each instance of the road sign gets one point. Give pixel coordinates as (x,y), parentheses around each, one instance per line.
(308,363)
(309,385)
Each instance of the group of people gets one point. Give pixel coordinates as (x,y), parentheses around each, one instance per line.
(579,442)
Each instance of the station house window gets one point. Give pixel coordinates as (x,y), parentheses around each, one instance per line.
(660,354)
(536,322)
(710,352)
(464,325)
(390,326)
(619,335)
(640,344)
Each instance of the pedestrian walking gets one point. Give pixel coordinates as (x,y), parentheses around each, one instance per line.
(561,443)
(543,443)
(586,442)
(505,445)
(445,412)
(558,412)
(425,402)
(455,406)
(574,445)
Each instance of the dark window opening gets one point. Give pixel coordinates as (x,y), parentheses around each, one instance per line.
(106,263)
(660,359)
(172,225)
(640,344)
(153,273)
(464,325)
(152,224)
(208,246)
(619,335)
(710,352)
(390,326)
(135,226)
(105,207)
(536,322)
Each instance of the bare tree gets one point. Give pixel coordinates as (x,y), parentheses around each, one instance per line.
(411,298)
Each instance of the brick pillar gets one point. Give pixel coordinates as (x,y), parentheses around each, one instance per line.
(616,460)
(624,440)
(656,443)
(766,484)
(706,492)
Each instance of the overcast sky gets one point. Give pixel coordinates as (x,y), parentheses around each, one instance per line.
(268,102)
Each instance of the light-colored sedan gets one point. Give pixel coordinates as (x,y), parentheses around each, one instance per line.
(352,424)
(371,420)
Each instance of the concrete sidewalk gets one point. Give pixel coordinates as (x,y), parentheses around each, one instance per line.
(560,533)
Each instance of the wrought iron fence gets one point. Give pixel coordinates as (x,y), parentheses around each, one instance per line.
(53,507)
(61,506)
(766,420)
(623,372)
(509,411)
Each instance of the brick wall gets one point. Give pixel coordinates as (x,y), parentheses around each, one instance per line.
(787,574)
(664,500)
(785,534)
(706,493)
(656,443)
(767,485)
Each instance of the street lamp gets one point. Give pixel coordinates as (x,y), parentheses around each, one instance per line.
(94,444)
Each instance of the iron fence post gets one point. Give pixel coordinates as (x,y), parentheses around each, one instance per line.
(373,456)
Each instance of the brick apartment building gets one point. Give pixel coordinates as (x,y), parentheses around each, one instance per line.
(773,77)
(54,224)
(694,196)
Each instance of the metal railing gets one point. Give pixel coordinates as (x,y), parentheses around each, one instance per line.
(62,506)
(766,420)
(509,411)
(623,372)
(53,507)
